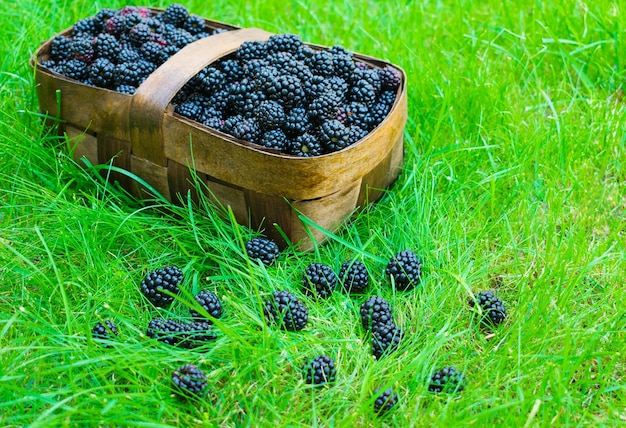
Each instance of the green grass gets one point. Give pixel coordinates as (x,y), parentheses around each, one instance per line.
(514,180)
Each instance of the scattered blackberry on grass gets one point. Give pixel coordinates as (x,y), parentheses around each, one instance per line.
(211,304)
(106,331)
(448,379)
(262,249)
(157,282)
(198,333)
(181,334)
(492,307)
(375,311)
(319,280)
(285,311)
(305,145)
(385,339)
(354,276)
(320,370)
(189,381)
(405,269)
(176,14)
(385,401)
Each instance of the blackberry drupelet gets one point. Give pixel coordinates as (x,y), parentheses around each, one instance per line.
(375,311)
(319,280)
(492,307)
(263,249)
(189,381)
(284,43)
(385,401)
(270,115)
(175,14)
(448,379)
(210,303)
(106,331)
(305,145)
(274,139)
(354,276)
(320,370)
(157,282)
(285,311)
(405,269)
(385,339)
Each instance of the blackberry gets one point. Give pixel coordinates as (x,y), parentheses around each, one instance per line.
(448,379)
(189,381)
(270,115)
(180,334)
(139,34)
(492,308)
(296,122)
(343,64)
(60,48)
(387,98)
(315,87)
(385,401)
(319,280)
(262,249)
(87,26)
(320,370)
(274,139)
(405,269)
(105,331)
(210,303)
(333,136)
(158,281)
(126,89)
(287,90)
(369,75)
(154,52)
(176,14)
(102,73)
(49,64)
(179,38)
(305,145)
(355,134)
(338,85)
(82,49)
(321,63)
(130,20)
(285,311)
(231,70)
(260,71)
(104,14)
(357,114)
(213,118)
(194,25)
(191,110)
(377,113)
(209,80)
(251,50)
(242,128)
(106,46)
(390,78)
(114,25)
(127,55)
(284,43)
(133,73)
(74,69)
(354,276)
(283,61)
(363,92)
(324,107)
(250,104)
(375,311)
(385,339)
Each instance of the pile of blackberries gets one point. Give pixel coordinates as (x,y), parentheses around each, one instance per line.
(118,49)
(288,97)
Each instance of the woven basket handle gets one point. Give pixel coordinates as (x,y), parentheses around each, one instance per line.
(156,92)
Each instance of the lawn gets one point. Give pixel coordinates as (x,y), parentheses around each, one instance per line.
(514,180)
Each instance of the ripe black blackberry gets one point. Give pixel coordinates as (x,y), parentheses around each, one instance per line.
(102,73)
(319,280)
(190,109)
(363,92)
(287,90)
(189,381)
(60,48)
(405,269)
(159,281)
(242,128)
(106,331)
(385,339)
(324,107)
(154,52)
(320,370)
(385,401)
(175,14)
(376,114)
(133,73)
(74,69)
(81,48)
(210,303)
(209,80)
(179,38)
(354,276)
(321,63)
(333,135)
(338,85)
(290,43)
(305,145)
(231,69)
(127,55)
(263,249)
(375,311)
(492,307)
(448,379)
(285,311)
(87,26)
(343,63)
(270,115)
(390,78)
(126,89)
(357,114)
(251,50)
(355,134)
(274,139)
(180,334)
(106,46)
(194,25)
(296,122)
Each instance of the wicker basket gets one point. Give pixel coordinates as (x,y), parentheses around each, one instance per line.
(140,133)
